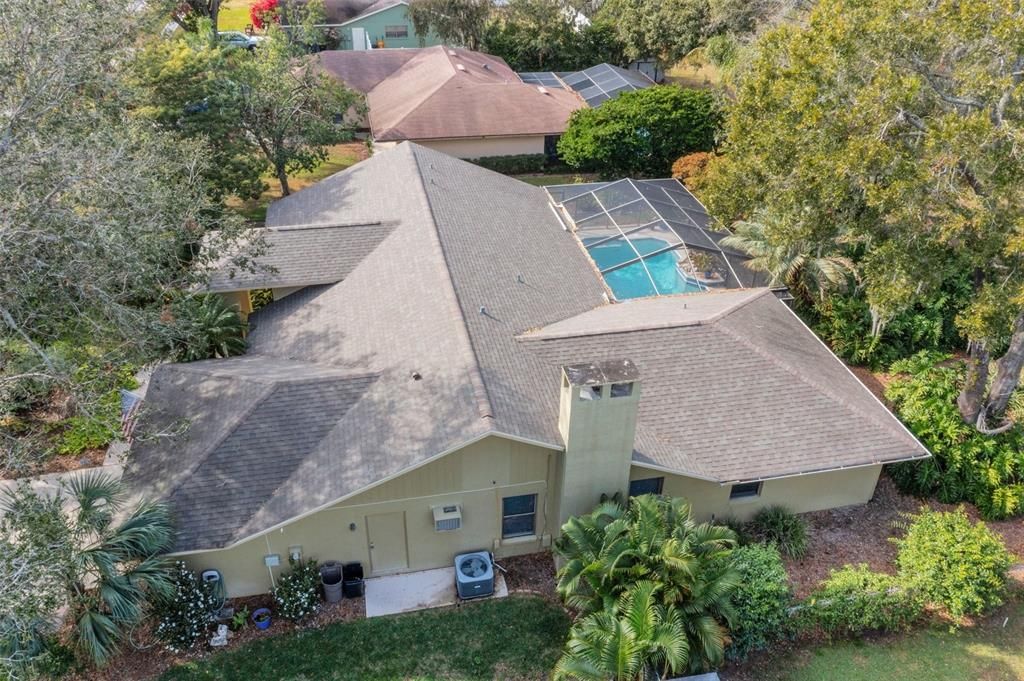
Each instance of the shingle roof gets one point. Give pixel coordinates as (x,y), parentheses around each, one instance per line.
(378,6)
(444,93)
(303,256)
(454,327)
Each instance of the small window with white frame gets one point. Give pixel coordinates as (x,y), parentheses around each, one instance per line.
(396,31)
(519,516)
(745,490)
(621,389)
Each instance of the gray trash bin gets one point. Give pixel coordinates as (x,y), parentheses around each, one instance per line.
(330,577)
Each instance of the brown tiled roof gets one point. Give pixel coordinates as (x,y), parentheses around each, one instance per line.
(445,93)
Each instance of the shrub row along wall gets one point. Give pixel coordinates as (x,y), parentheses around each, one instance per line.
(520,164)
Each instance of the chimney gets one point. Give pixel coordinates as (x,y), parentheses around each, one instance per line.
(597,421)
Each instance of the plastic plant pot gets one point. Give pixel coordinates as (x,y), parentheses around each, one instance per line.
(261,618)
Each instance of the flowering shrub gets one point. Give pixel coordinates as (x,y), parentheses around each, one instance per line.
(298,592)
(264,12)
(184,615)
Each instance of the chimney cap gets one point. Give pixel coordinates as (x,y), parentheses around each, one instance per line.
(599,373)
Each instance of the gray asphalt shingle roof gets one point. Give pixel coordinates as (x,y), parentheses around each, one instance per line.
(453,326)
(303,256)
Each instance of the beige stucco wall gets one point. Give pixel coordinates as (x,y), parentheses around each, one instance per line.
(478,147)
(476,477)
(801,494)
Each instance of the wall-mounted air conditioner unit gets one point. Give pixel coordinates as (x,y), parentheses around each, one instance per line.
(447,518)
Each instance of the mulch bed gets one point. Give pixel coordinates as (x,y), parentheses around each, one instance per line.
(152,659)
(533,573)
(860,534)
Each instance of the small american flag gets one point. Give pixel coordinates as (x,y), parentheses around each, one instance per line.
(130,403)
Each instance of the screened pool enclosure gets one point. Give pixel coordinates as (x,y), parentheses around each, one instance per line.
(649,237)
(595,85)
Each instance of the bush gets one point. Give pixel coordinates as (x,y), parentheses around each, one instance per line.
(513,165)
(844,322)
(183,617)
(690,166)
(780,526)
(642,132)
(855,599)
(298,592)
(966,465)
(206,327)
(761,601)
(954,563)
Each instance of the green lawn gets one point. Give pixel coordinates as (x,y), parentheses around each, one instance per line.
(234,15)
(987,652)
(512,638)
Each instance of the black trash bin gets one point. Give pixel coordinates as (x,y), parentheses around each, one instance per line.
(352,584)
(330,578)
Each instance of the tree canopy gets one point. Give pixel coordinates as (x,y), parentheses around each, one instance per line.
(889,130)
(455,22)
(641,132)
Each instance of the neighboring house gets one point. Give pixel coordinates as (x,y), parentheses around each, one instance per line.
(469,104)
(384,24)
(449,347)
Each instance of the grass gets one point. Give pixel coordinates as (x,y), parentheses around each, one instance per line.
(511,638)
(339,157)
(694,71)
(987,652)
(234,15)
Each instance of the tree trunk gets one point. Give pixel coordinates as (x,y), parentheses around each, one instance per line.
(971,400)
(282,177)
(214,15)
(1008,370)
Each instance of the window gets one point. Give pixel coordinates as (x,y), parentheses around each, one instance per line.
(518,516)
(622,389)
(590,392)
(397,31)
(645,486)
(746,490)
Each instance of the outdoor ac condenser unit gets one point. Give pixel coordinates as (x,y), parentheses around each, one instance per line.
(447,518)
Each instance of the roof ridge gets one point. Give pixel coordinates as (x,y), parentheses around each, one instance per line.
(327,225)
(476,375)
(412,104)
(816,385)
(539,335)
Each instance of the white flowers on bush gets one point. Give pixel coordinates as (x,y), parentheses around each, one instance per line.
(184,615)
(298,592)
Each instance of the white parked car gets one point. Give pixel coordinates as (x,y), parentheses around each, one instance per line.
(240,39)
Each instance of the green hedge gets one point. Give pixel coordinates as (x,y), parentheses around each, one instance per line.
(855,599)
(513,165)
(761,602)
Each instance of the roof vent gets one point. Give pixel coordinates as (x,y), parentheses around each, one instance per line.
(451,53)
(541,89)
(486,66)
(416,376)
(460,67)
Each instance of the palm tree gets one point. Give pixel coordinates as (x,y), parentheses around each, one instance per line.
(210,327)
(806,269)
(654,539)
(108,558)
(637,639)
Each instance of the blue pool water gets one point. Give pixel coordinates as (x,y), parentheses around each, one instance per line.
(632,281)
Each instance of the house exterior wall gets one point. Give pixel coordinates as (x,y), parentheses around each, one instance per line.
(480,147)
(375,26)
(800,494)
(476,477)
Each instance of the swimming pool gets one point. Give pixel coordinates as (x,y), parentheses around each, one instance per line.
(632,281)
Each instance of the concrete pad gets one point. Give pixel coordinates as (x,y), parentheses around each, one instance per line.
(418,591)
